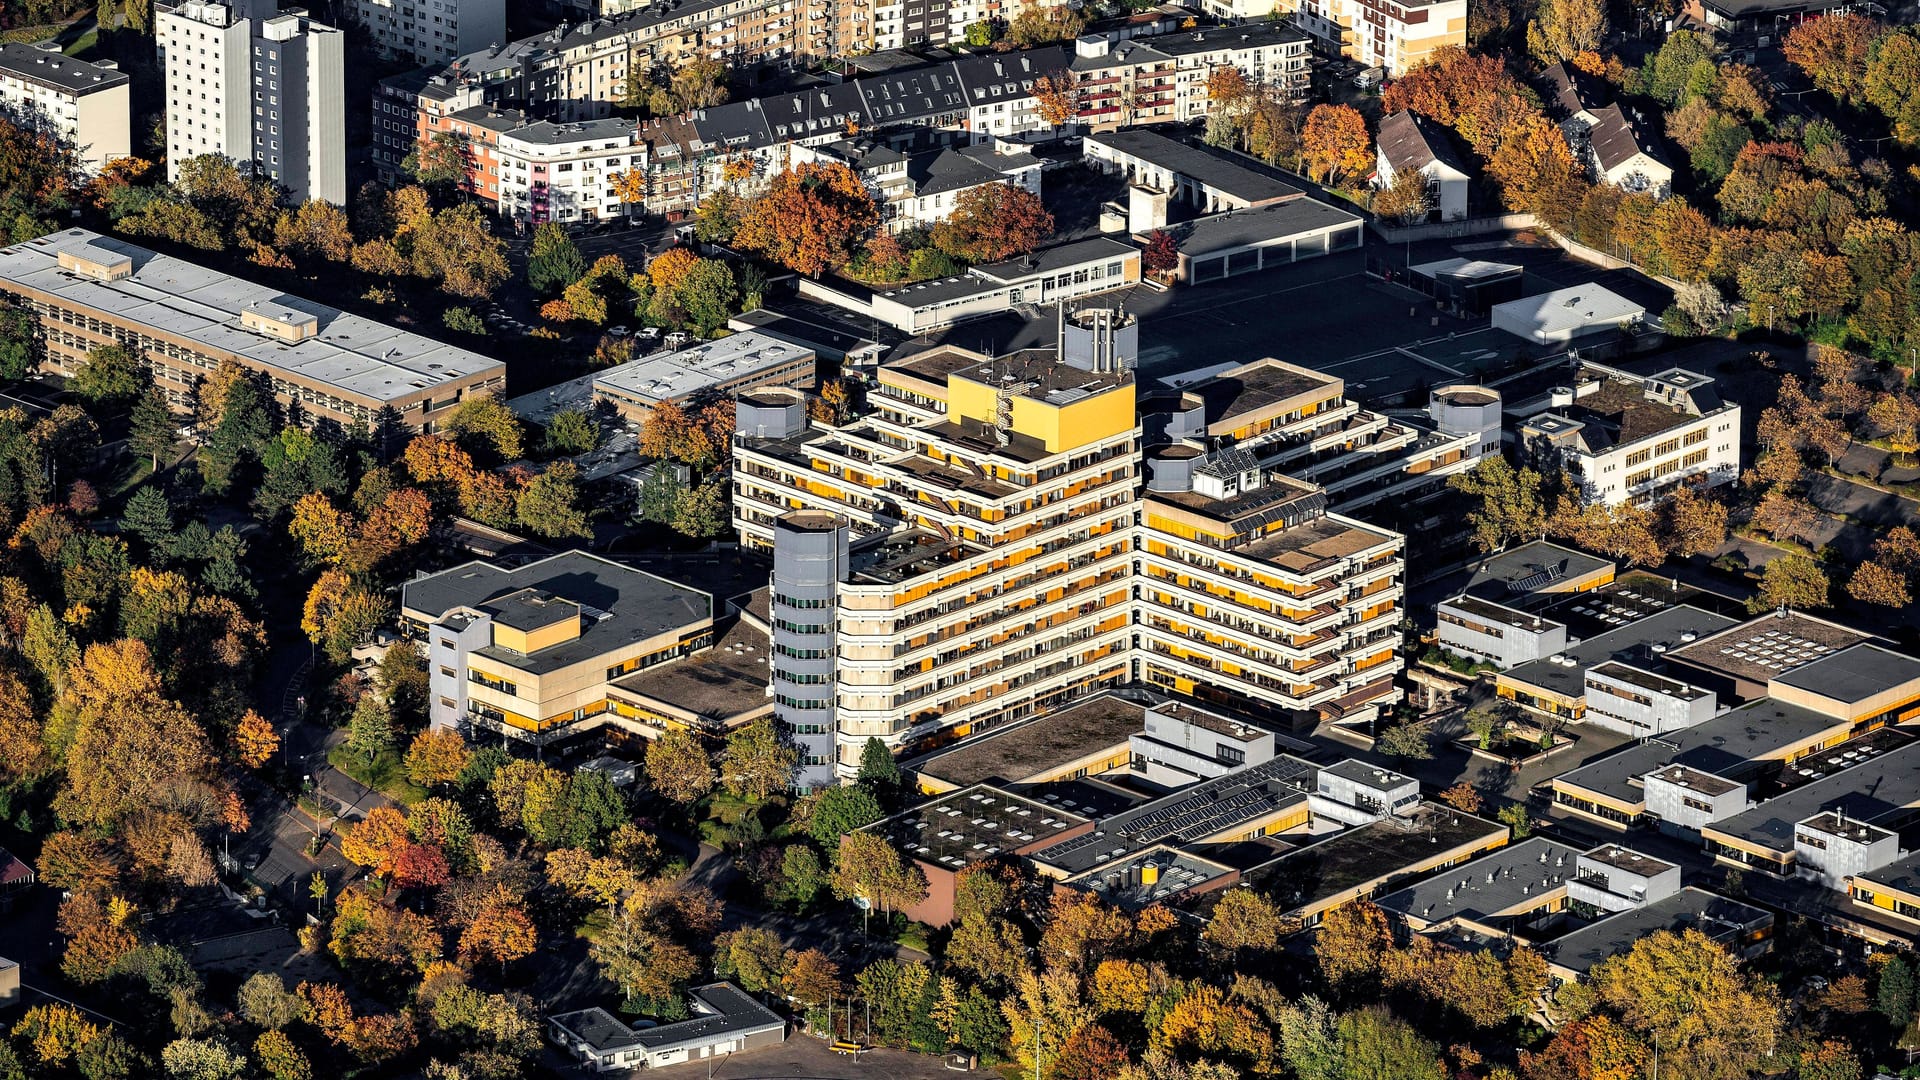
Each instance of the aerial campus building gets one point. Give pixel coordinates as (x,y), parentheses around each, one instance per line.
(87,291)
(990,541)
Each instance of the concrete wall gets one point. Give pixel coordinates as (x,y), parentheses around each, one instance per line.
(1674,805)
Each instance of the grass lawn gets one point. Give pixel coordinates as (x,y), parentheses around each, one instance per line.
(387,774)
(84,44)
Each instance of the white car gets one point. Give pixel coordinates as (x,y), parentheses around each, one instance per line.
(618,332)
(677,339)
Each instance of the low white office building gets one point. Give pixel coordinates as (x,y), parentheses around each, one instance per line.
(1182,745)
(1637,702)
(1496,634)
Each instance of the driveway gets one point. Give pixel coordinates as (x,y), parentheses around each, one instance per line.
(803,1057)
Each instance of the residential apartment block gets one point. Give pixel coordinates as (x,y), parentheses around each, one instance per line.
(432,31)
(1003,556)
(920,177)
(324,366)
(1389,34)
(257,86)
(1163,78)
(85,106)
(1629,438)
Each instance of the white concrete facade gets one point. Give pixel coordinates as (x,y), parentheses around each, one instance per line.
(433,31)
(85,106)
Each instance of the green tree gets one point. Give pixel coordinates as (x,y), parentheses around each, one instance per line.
(464,321)
(111,375)
(571,431)
(841,810)
(802,876)
(151,428)
(1409,741)
(709,295)
(1793,581)
(980,34)
(149,516)
(554,261)
(660,495)
(236,440)
(485,427)
(19,348)
(1514,816)
(370,731)
(1893,997)
(701,511)
(549,505)
(1373,1043)
(879,772)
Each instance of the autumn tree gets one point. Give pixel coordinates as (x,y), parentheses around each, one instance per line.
(1691,522)
(992,222)
(499,934)
(869,868)
(1462,797)
(811,218)
(1510,507)
(1351,940)
(1090,1053)
(1832,53)
(758,762)
(128,743)
(1564,28)
(436,756)
(255,740)
(1244,919)
(678,766)
(1336,144)
(1686,994)
(1405,200)
(1161,254)
(1055,98)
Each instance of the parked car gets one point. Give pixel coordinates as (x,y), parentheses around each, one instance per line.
(677,339)
(618,332)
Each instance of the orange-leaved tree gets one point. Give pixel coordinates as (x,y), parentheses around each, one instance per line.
(1335,139)
(812,218)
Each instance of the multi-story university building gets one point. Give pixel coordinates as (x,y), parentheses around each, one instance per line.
(323,365)
(257,86)
(1629,438)
(84,106)
(432,31)
(990,540)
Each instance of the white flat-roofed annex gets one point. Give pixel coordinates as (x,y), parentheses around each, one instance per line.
(359,356)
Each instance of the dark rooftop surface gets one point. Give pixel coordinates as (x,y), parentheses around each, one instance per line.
(719,684)
(1624,858)
(1722,746)
(1411,142)
(1123,882)
(1258,225)
(51,67)
(1706,783)
(1378,852)
(1760,650)
(1034,746)
(1715,916)
(974,823)
(1500,614)
(1249,388)
(1192,813)
(1536,566)
(1240,177)
(1634,641)
(1040,367)
(1903,874)
(531,609)
(620,605)
(1853,674)
(1500,880)
(1647,680)
(1879,787)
